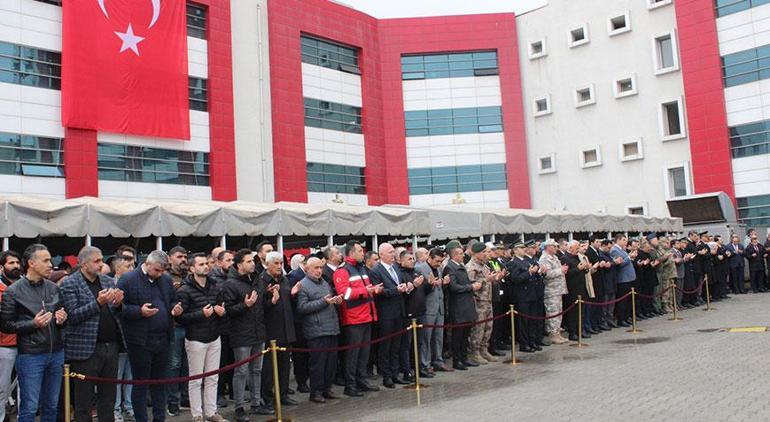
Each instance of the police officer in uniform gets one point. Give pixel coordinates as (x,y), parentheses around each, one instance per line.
(526,280)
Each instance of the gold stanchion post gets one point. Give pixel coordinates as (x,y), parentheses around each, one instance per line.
(580,323)
(416,386)
(67,408)
(512,361)
(274,349)
(673,303)
(708,294)
(633,313)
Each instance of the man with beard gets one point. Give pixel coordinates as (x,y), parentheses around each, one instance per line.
(177,393)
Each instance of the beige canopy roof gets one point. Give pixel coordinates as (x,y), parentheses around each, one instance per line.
(27,217)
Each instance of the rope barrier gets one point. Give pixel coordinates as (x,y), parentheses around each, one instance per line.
(689,292)
(543,318)
(349,346)
(468,324)
(609,302)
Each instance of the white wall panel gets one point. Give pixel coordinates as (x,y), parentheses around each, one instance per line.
(51,187)
(744,30)
(488,199)
(199,139)
(327,84)
(334,147)
(134,190)
(433,94)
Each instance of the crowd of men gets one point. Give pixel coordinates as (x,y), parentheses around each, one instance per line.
(176,314)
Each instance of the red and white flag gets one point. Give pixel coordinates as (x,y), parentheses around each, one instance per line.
(124,67)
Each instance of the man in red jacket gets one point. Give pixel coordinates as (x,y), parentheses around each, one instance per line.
(357,313)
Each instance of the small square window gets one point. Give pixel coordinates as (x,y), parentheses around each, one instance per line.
(625,87)
(666,57)
(630,151)
(635,210)
(547,164)
(578,36)
(585,96)
(671,120)
(654,4)
(677,181)
(537,49)
(619,24)
(590,157)
(542,105)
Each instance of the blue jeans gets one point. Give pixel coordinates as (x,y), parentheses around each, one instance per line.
(40,379)
(177,368)
(123,394)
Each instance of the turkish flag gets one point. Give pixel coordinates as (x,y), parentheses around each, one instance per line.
(124,67)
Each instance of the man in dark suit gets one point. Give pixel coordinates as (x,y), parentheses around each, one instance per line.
(525,276)
(149,305)
(576,286)
(462,307)
(594,255)
(391,312)
(737,264)
(301,360)
(93,336)
(279,324)
(755,254)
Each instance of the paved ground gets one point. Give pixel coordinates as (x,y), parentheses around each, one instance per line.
(685,370)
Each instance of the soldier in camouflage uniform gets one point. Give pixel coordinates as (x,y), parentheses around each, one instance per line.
(478,271)
(666,274)
(555,286)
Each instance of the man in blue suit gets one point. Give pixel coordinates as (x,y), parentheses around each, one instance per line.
(737,264)
(624,277)
(149,306)
(93,336)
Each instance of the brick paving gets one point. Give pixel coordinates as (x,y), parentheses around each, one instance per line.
(685,370)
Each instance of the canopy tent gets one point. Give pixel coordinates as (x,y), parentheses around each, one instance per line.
(29,217)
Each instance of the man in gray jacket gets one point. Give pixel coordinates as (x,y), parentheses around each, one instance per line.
(432,339)
(320,326)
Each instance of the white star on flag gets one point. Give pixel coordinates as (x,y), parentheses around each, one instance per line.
(130,41)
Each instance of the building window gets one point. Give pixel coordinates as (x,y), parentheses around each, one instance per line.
(727,7)
(746,66)
(578,36)
(474,178)
(619,24)
(53,2)
(332,178)
(329,54)
(754,210)
(546,164)
(591,157)
(542,105)
(25,155)
(677,181)
(454,121)
(750,139)
(199,98)
(30,66)
(671,120)
(630,151)
(332,116)
(196,21)
(625,87)
(127,163)
(585,96)
(636,210)
(666,56)
(537,49)
(654,4)
(453,65)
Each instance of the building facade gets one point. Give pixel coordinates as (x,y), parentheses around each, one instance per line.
(582,105)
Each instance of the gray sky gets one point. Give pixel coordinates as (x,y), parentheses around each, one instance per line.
(410,8)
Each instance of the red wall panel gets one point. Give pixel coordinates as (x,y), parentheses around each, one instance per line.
(80,163)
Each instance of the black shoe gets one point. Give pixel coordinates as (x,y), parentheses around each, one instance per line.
(240,415)
(353,392)
(221,402)
(172,411)
(317,398)
(331,395)
(459,367)
(303,388)
(573,337)
(184,404)
(586,335)
(364,385)
(470,364)
(526,349)
(540,343)
(494,352)
(398,380)
(426,374)
(262,410)
(536,347)
(388,383)
(623,324)
(288,401)
(408,376)
(613,324)
(605,327)
(290,391)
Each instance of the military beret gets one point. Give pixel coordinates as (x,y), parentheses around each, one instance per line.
(652,235)
(453,244)
(478,247)
(702,233)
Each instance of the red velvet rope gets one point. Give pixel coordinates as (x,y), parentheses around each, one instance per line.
(539,318)
(610,302)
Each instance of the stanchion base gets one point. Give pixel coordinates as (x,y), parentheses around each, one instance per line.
(675,319)
(709,309)
(578,345)
(279,420)
(508,362)
(414,386)
(632,330)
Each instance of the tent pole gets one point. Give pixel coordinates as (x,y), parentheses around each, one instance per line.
(6,243)
(330,241)
(279,244)
(88,240)
(414,243)
(159,243)
(223,242)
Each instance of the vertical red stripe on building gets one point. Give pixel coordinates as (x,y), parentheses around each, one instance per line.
(80,163)
(704,97)
(220,86)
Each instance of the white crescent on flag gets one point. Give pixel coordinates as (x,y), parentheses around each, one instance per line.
(155,11)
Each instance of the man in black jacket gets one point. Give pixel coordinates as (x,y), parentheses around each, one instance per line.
(462,307)
(576,285)
(201,301)
(244,307)
(526,279)
(391,312)
(279,321)
(415,309)
(31,309)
